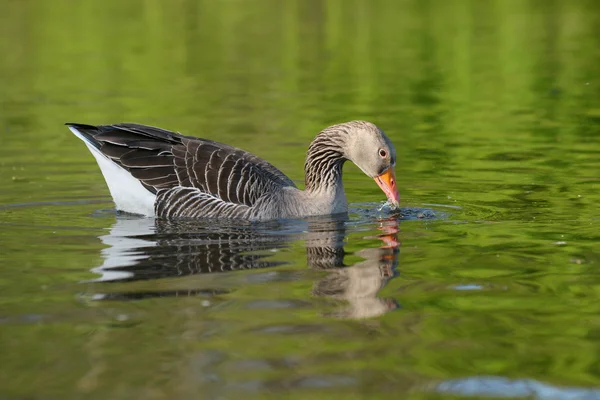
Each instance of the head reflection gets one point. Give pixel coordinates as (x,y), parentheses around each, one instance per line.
(357,285)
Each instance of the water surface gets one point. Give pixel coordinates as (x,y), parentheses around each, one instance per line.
(486,286)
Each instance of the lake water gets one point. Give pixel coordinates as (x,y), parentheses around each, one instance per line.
(486,286)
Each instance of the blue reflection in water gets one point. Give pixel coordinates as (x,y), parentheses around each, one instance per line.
(495,386)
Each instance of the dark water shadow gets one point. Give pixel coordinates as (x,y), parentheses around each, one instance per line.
(142,249)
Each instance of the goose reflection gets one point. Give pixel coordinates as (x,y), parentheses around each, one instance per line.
(359,284)
(141,249)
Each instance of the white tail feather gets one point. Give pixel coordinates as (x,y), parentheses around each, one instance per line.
(127,192)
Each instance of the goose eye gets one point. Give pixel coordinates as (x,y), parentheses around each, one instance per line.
(382,153)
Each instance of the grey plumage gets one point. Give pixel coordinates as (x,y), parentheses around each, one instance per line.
(197,178)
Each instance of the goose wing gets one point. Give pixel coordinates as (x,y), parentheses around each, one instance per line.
(174,166)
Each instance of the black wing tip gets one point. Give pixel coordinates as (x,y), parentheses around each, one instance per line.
(85,132)
(81,126)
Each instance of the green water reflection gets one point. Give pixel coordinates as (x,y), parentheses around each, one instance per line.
(494,107)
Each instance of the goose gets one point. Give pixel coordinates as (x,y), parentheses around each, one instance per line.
(155,172)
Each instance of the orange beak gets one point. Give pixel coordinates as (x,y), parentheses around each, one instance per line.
(387,183)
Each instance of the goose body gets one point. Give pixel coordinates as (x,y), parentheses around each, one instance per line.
(155,172)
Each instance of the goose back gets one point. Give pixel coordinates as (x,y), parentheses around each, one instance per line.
(187,173)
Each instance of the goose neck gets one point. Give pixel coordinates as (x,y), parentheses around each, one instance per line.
(324,161)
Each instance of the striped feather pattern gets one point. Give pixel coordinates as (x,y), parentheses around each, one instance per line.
(325,159)
(184,176)
(192,177)
(186,202)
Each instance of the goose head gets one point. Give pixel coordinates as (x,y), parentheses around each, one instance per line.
(373,152)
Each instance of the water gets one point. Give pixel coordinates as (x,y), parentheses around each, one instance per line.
(485,287)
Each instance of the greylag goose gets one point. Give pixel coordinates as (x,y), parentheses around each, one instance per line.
(152,171)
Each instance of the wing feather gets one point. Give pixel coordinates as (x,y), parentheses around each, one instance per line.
(188,202)
(164,160)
